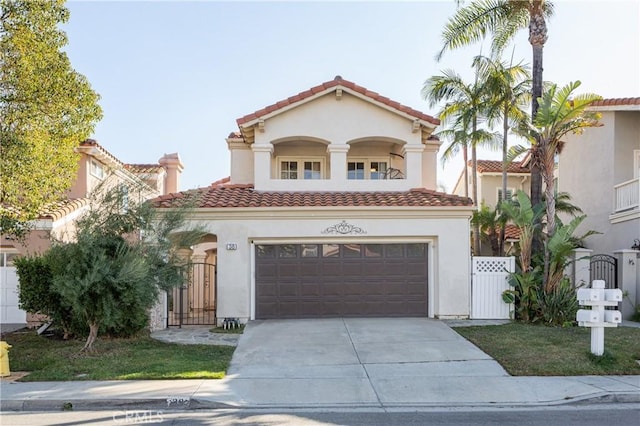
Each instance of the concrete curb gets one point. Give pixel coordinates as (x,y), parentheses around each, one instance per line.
(196,404)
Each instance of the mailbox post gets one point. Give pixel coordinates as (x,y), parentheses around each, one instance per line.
(597,317)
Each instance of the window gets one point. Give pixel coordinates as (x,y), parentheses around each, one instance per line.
(96,169)
(378,169)
(7,257)
(355,170)
(366,169)
(288,170)
(509,194)
(300,169)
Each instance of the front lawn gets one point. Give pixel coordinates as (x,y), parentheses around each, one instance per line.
(51,358)
(537,350)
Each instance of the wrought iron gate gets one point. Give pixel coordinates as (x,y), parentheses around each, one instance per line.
(195,302)
(604,267)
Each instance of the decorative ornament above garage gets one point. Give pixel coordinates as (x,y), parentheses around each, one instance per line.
(344,228)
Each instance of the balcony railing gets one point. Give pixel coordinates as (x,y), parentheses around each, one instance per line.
(627,195)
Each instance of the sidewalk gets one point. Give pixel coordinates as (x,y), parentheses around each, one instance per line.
(333,364)
(329,393)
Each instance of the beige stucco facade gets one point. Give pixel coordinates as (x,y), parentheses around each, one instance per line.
(490,183)
(592,165)
(335,128)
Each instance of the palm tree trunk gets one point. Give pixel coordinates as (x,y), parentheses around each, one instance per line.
(465,157)
(505,130)
(474,183)
(537,38)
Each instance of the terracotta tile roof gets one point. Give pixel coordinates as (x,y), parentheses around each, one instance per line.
(617,102)
(143,168)
(338,81)
(511,232)
(238,196)
(52,211)
(495,166)
(106,154)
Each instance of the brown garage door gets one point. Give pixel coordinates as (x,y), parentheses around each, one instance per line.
(341,280)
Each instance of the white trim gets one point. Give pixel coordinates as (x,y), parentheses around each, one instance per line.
(252,290)
(624,216)
(636,163)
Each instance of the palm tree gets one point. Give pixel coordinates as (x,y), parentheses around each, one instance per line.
(503,19)
(560,112)
(464,110)
(509,89)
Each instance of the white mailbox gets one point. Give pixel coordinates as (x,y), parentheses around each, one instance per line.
(590,295)
(613,295)
(587,315)
(613,316)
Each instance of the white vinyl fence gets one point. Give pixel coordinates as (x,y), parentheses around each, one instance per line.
(489,278)
(10,313)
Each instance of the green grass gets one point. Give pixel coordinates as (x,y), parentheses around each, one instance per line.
(537,350)
(51,358)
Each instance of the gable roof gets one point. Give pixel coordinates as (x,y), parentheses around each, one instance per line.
(144,168)
(495,166)
(329,86)
(221,195)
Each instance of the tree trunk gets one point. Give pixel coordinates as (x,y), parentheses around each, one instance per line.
(474,182)
(465,157)
(537,38)
(550,201)
(505,130)
(93,334)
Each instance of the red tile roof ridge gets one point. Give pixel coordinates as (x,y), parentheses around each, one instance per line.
(617,101)
(338,81)
(94,143)
(221,181)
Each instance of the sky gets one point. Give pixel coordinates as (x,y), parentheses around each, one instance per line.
(174,76)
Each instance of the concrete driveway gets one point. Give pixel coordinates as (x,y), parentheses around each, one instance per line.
(364,361)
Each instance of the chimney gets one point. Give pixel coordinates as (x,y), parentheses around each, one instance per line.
(173,166)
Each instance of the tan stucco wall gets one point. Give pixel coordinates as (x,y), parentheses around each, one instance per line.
(590,166)
(447,233)
(362,128)
(488,186)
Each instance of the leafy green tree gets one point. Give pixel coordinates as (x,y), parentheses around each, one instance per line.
(502,19)
(46,109)
(491,223)
(123,255)
(463,112)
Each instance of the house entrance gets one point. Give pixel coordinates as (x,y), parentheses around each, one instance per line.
(604,267)
(195,302)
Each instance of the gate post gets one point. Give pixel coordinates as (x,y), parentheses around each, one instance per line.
(579,269)
(628,280)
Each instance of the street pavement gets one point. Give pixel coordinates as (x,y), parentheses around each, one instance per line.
(374,363)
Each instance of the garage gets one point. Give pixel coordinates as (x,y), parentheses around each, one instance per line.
(341,280)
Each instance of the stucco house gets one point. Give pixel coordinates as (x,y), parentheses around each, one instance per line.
(96,167)
(331,211)
(490,191)
(601,170)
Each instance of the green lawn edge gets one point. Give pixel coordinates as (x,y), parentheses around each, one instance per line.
(539,350)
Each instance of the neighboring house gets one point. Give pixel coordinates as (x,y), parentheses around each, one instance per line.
(600,169)
(331,211)
(490,180)
(96,167)
(490,191)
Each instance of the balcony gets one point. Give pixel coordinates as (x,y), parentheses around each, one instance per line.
(627,196)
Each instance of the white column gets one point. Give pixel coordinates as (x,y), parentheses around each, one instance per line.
(579,269)
(430,164)
(338,160)
(628,279)
(413,160)
(261,164)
